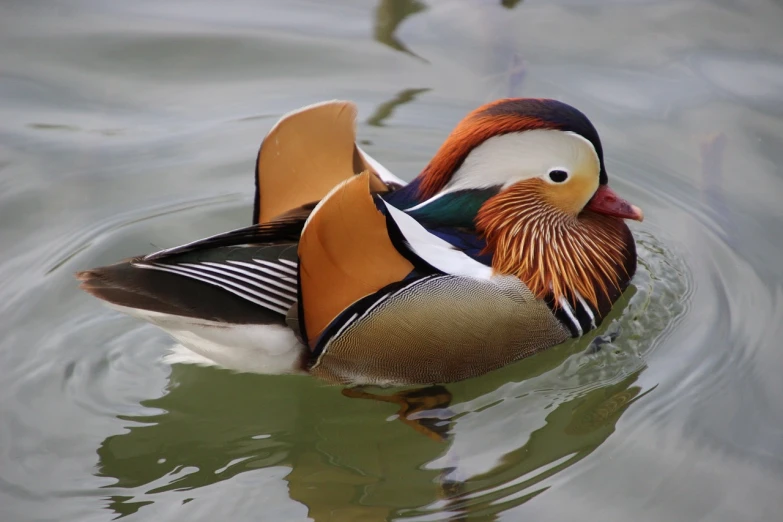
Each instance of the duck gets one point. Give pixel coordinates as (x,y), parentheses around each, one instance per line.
(507,243)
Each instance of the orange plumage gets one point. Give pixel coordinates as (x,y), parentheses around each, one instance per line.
(477,127)
(551,251)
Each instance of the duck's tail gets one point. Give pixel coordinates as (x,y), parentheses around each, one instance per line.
(133,288)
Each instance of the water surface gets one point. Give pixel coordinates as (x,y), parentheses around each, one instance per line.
(127,127)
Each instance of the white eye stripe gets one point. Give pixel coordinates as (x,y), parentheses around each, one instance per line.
(506,159)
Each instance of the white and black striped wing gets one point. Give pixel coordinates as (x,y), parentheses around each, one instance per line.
(245,276)
(263,275)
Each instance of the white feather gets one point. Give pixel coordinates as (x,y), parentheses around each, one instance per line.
(235,288)
(506,159)
(587,308)
(434,250)
(256,348)
(382,171)
(570,313)
(428,201)
(276,268)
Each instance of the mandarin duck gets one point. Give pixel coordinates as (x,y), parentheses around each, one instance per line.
(509,241)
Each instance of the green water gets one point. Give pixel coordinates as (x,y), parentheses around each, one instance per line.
(127,127)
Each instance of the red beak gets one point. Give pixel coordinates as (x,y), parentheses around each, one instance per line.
(606,201)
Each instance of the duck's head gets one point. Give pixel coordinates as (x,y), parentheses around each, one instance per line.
(531,174)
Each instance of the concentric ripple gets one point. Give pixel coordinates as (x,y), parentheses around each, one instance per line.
(506,443)
(133,126)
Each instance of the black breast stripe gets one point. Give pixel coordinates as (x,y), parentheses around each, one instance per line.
(579,318)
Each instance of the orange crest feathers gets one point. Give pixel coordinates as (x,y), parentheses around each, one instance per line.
(474,129)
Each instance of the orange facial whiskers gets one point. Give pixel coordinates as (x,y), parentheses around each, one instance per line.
(551,250)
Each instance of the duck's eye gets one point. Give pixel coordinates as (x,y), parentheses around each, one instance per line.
(558,176)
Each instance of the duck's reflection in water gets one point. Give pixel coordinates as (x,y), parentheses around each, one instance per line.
(347,459)
(489,481)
